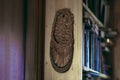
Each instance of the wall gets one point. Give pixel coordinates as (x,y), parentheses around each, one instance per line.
(11,40)
(21,39)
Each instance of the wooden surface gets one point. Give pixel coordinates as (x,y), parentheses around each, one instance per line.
(31,56)
(75,71)
(115,19)
(41,35)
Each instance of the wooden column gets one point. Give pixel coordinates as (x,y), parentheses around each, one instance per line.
(31,39)
(34,40)
(75,71)
(116,24)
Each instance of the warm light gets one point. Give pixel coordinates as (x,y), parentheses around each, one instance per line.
(108,40)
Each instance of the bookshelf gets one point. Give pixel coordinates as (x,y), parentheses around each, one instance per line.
(97,21)
(94,64)
(98,74)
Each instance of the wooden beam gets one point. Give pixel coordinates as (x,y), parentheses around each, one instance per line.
(75,71)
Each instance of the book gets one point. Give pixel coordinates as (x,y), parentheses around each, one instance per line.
(87,31)
(92,50)
(87,49)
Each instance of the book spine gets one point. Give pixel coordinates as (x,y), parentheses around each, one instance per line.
(87,49)
(92,50)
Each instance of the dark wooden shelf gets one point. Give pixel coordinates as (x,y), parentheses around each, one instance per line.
(97,21)
(99,74)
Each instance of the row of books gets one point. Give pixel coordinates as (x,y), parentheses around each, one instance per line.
(91,47)
(100,8)
(96,56)
(93,57)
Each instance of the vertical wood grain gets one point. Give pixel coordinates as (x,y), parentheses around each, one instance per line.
(115,19)
(31,60)
(41,38)
(75,71)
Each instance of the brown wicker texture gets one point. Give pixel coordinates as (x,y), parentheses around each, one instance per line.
(62,40)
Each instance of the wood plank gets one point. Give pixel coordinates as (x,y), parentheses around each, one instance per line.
(31,56)
(75,71)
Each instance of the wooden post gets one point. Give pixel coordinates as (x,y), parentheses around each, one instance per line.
(75,71)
